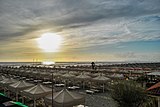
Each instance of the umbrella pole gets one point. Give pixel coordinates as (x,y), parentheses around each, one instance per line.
(34,103)
(16,96)
(23,99)
(158,101)
(103,87)
(8,93)
(52,89)
(83,85)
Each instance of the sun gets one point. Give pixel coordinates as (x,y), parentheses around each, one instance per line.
(49,42)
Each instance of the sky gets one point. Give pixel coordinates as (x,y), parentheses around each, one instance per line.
(92,30)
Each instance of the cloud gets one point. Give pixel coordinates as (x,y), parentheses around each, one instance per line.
(83,24)
(132,56)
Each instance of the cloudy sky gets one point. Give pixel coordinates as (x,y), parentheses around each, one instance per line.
(92,30)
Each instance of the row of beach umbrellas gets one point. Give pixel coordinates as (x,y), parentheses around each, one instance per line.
(63,98)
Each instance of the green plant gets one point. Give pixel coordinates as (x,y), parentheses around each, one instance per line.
(129,94)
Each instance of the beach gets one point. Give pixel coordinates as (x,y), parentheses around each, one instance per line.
(93,84)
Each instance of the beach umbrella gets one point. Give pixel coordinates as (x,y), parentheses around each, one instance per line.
(102,79)
(44,74)
(83,77)
(65,98)
(117,76)
(18,86)
(68,76)
(1,77)
(7,81)
(36,92)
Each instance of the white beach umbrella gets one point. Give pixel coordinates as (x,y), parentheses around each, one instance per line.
(7,81)
(65,98)
(83,77)
(18,86)
(117,76)
(102,79)
(36,92)
(1,77)
(68,75)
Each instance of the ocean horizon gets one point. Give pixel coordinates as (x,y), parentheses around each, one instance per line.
(77,63)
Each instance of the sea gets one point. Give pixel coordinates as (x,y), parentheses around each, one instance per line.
(66,63)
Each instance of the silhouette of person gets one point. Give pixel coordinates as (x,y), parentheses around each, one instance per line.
(93,65)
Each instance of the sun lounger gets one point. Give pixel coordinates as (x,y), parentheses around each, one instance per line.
(90,92)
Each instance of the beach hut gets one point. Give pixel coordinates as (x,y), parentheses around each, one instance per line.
(155,92)
(101,79)
(18,86)
(37,92)
(155,89)
(65,98)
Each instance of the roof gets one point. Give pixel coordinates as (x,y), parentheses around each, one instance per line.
(154,73)
(157,85)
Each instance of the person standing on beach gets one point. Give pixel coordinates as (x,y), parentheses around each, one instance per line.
(93,65)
